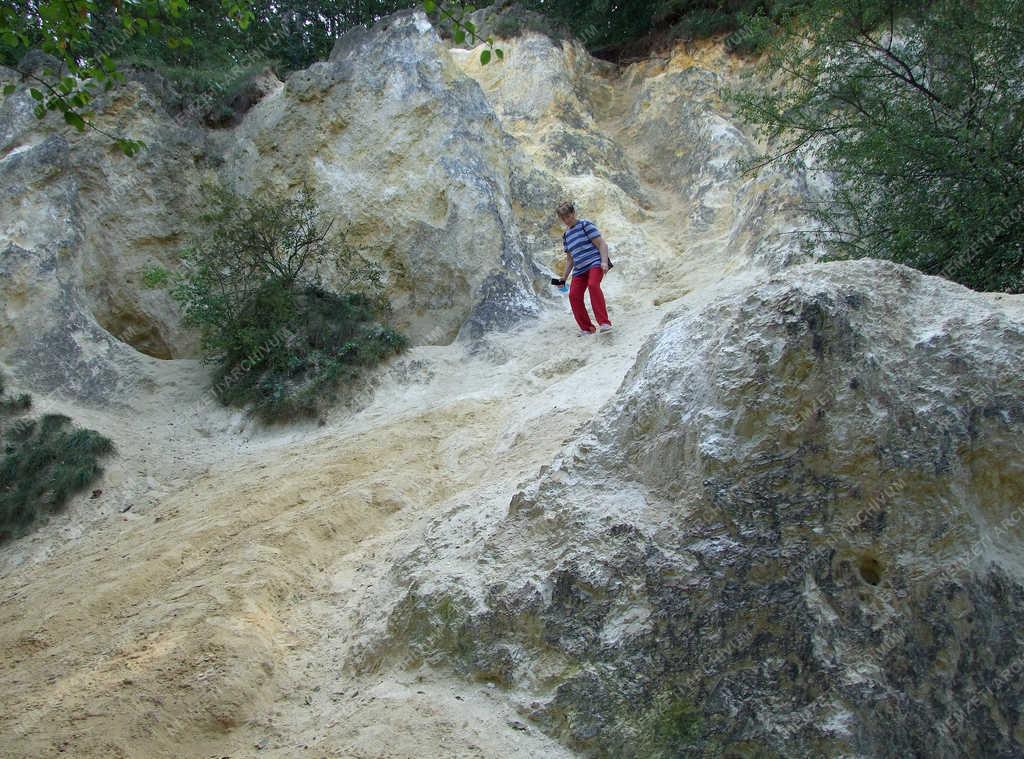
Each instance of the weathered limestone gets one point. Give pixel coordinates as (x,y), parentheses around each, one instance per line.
(406,151)
(81,223)
(796,530)
(441,170)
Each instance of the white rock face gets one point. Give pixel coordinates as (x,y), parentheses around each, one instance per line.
(81,223)
(444,172)
(781,519)
(407,153)
(796,527)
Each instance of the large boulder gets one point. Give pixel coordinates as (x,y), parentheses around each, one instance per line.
(796,530)
(404,149)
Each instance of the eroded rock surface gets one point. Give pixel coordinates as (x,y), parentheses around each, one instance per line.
(795,530)
(407,153)
(442,171)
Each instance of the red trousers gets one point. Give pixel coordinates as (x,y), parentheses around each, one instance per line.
(588,280)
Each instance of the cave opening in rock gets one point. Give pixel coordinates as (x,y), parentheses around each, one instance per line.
(137,331)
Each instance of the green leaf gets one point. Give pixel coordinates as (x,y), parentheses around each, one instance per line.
(9,89)
(500,53)
(460,36)
(429,6)
(74,120)
(36,94)
(39,111)
(485,57)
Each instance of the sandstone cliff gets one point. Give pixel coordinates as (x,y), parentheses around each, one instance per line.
(776,512)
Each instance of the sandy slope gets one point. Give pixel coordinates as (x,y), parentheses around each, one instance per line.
(231,598)
(213,619)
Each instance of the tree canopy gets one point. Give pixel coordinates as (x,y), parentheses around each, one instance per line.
(915,112)
(201,46)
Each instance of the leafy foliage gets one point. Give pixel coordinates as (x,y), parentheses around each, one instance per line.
(456,17)
(84,36)
(44,463)
(204,48)
(631,28)
(917,112)
(155,276)
(336,337)
(253,285)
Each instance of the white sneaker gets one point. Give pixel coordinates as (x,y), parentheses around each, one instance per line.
(605,328)
(584,332)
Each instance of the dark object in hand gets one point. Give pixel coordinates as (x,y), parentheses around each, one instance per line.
(557,281)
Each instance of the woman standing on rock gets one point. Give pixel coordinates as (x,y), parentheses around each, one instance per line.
(586,256)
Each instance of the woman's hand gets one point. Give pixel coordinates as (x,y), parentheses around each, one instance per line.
(602,248)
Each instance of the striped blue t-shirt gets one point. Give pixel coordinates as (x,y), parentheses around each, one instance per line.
(576,241)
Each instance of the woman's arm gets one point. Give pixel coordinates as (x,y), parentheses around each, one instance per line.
(602,247)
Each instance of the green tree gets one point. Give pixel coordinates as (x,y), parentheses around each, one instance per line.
(204,46)
(916,113)
(624,28)
(253,283)
(82,35)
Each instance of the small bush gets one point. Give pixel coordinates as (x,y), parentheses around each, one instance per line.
(283,344)
(44,463)
(705,22)
(300,368)
(16,404)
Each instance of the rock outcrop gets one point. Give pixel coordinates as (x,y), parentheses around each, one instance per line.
(442,171)
(795,530)
(80,225)
(406,151)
